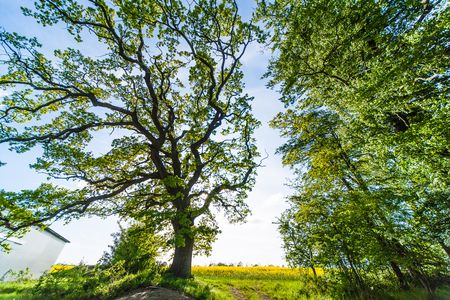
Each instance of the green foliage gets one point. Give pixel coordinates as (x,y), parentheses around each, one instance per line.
(22,276)
(86,282)
(79,282)
(130,264)
(366,88)
(256,284)
(168,91)
(16,289)
(135,248)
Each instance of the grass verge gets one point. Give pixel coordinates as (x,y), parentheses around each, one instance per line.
(209,283)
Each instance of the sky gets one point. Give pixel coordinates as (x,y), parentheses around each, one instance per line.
(254,242)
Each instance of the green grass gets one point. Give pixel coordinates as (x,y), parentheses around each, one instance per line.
(258,289)
(247,283)
(232,284)
(442,293)
(223,288)
(244,283)
(16,290)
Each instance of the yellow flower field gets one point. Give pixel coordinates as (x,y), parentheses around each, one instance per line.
(254,272)
(261,282)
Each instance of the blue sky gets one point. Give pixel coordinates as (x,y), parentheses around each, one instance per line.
(255,242)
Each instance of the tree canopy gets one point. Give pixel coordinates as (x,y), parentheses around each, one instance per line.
(168,89)
(367,125)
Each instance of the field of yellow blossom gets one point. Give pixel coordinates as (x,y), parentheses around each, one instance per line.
(233,282)
(258,272)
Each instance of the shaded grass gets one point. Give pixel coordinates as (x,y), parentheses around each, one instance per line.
(442,293)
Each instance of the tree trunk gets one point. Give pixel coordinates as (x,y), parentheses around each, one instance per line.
(314,271)
(182,259)
(417,274)
(400,276)
(311,259)
(355,272)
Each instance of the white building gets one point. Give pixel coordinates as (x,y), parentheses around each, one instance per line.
(38,250)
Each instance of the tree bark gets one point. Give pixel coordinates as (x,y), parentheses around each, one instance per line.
(355,272)
(400,275)
(182,259)
(417,274)
(314,271)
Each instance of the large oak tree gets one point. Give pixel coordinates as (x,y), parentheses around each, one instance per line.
(168,89)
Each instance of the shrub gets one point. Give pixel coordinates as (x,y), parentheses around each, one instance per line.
(21,276)
(77,283)
(130,264)
(135,247)
(85,282)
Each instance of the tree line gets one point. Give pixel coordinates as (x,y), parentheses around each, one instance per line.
(366,86)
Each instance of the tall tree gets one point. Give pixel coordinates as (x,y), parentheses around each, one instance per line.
(367,128)
(298,245)
(169,86)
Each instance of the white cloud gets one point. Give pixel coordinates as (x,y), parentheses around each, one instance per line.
(254,55)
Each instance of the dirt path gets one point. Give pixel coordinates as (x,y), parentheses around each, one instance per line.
(237,294)
(264,296)
(159,293)
(155,293)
